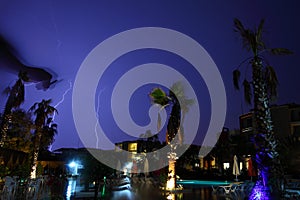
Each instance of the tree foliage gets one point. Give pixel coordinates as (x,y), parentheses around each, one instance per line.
(261,89)
(179,104)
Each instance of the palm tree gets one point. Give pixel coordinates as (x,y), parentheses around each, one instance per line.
(180,106)
(185,104)
(263,87)
(42,112)
(176,100)
(19,132)
(49,131)
(15,99)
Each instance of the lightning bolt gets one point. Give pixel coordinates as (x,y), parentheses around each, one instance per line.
(60,102)
(62,98)
(97,115)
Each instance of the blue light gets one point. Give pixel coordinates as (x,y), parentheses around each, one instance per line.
(260,192)
(73,167)
(73,164)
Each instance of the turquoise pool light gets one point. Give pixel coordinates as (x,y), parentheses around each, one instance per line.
(202,182)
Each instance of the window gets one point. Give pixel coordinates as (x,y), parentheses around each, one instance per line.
(246,123)
(226,165)
(132,147)
(295,115)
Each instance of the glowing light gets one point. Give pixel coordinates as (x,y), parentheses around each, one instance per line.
(226,165)
(97,115)
(62,99)
(171,183)
(171,196)
(60,102)
(70,188)
(74,167)
(260,192)
(73,164)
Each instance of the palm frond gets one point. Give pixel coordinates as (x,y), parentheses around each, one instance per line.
(272,81)
(158,96)
(32,108)
(239,26)
(54,126)
(20,96)
(260,29)
(189,102)
(247,91)
(49,120)
(280,51)
(248,36)
(236,79)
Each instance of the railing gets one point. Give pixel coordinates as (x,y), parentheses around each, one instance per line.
(43,187)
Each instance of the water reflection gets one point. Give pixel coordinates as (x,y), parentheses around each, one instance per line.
(171,197)
(187,194)
(150,193)
(71,188)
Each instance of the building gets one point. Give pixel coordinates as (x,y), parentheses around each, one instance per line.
(286,127)
(285,118)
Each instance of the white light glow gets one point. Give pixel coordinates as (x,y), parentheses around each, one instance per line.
(73,164)
(226,165)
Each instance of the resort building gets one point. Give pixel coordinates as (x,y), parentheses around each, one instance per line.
(286,127)
(286,121)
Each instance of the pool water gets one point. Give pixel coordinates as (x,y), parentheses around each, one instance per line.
(193,189)
(201,183)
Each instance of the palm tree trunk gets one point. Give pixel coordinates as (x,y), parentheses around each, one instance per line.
(171,182)
(35,153)
(265,142)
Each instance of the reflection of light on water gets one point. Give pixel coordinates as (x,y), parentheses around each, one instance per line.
(70,188)
(127,168)
(122,194)
(260,192)
(171,196)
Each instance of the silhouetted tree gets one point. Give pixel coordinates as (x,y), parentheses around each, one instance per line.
(263,87)
(15,99)
(42,112)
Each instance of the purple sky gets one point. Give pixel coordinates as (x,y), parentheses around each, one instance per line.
(58,35)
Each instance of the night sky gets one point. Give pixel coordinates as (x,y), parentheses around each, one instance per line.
(58,35)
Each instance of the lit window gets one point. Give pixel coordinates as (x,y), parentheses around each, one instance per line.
(226,165)
(247,165)
(241,165)
(132,147)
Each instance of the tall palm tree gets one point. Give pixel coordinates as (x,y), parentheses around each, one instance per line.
(263,87)
(42,111)
(15,99)
(179,104)
(176,99)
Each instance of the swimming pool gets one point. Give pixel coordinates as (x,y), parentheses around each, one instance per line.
(201,183)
